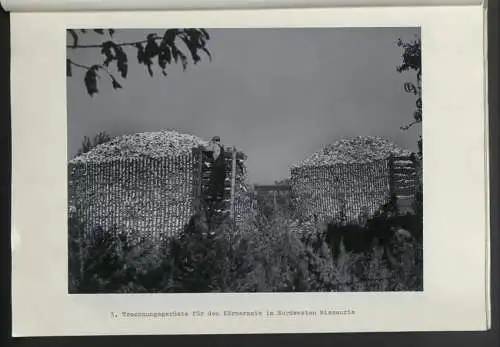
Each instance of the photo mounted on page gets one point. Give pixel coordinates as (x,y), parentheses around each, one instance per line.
(244,160)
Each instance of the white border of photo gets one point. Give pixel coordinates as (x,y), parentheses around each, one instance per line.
(456,273)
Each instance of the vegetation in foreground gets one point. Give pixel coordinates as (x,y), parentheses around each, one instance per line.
(274,254)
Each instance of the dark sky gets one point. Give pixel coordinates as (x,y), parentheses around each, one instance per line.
(276,94)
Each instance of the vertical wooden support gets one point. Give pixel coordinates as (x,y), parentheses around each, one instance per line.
(275,201)
(82,247)
(392,186)
(343,207)
(197,178)
(200,175)
(233,180)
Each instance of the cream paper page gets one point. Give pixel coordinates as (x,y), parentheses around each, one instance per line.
(155,5)
(454,296)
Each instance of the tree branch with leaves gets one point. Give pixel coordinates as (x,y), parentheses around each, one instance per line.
(412,61)
(172,47)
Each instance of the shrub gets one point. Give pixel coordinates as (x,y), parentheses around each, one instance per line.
(88,143)
(274,257)
(75,246)
(375,258)
(283,255)
(200,258)
(271,254)
(106,263)
(407,267)
(104,267)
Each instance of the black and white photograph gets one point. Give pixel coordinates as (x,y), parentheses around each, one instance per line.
(243,160)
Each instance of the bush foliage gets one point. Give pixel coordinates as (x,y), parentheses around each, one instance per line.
(275,253)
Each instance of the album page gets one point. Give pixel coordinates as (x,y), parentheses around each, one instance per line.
(249,171)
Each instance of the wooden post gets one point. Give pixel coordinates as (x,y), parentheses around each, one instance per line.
(343,212)
(197,178)
(233,180)
(275,201)
(392,188)
(82,247)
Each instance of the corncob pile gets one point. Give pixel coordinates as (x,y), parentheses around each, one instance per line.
(356,150)
(141,182)
(346,181)
(166,143)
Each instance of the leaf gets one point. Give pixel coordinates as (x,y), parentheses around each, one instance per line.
(113,52)
(143,59)
(74,35)
(194,36)
(417,115)
(116,85)
(193,47)
(205,34)
(140,53)
(169,36)
(91,81)
(99,31)
(152,49)
(168,55)
(121,61)
(107,48)
(68,68)
(418,103)
(207,52)
(175,53)
(183,60)
(164,57)
(410,88)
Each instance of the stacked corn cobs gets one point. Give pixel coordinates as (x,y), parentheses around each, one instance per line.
(359,149)
(348,178)
(163,145)
(167,143)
